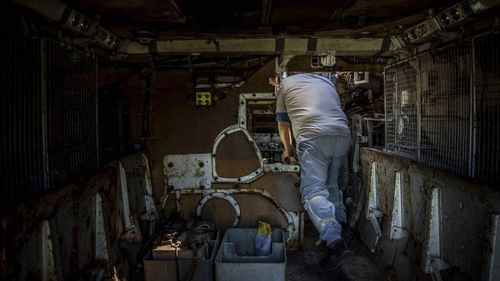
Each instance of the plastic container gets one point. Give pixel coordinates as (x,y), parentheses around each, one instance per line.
(236,259)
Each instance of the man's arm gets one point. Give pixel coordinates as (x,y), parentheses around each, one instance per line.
(286,138)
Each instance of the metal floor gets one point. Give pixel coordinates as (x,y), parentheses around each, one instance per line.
(304,264)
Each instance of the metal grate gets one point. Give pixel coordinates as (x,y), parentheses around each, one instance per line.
(443,108)
(446,135)
(21,154)
(71,119)
(401,108)
(48,116)
(487,104)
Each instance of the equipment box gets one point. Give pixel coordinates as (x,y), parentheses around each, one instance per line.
(168,263)
(236,259)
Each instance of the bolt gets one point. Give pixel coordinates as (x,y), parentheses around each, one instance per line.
(170,164)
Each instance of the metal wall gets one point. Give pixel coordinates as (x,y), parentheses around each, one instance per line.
(48,116)
(442,108)
(448,221)
(88,230)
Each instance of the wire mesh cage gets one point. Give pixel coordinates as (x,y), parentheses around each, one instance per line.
(71,113)
(486,93)
(445,115)
(48,109)
(453,93)
(401,109)
(22,163)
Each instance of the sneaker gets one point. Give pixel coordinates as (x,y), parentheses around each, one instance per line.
(337,251)
(345,265)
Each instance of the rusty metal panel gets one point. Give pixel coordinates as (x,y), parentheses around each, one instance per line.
(188,170)
(69,212)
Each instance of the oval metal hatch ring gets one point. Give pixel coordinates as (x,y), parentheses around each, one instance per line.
(243,179)
(224,196)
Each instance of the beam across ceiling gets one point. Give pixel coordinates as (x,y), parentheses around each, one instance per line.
(271,46)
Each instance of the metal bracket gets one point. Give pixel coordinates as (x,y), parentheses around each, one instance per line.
(244,98)
(132,233)
(372,211)
(101,240)
(397,222)
(281,168)
(48,265)
(151,213)
(494,253)
(432,256)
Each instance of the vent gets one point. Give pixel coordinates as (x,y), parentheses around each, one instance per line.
(22,162)
(443,108)
(71,107)
(48,115)
(487,107)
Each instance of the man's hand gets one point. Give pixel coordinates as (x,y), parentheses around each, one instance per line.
(289,156)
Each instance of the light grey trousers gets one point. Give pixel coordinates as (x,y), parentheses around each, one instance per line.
(321,161)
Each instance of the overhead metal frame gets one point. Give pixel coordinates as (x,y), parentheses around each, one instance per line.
(264,45)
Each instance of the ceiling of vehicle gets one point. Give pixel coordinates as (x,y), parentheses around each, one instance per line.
(190,18)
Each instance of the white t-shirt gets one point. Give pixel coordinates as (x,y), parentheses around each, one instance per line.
(311,103)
